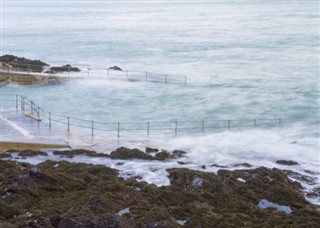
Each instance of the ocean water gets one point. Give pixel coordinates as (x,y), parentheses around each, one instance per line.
(243,60)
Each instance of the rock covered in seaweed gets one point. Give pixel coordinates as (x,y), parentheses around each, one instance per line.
(64,68)
(83,195)
(23,64)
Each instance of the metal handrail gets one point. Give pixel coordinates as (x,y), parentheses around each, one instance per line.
(126,74)
(39,113)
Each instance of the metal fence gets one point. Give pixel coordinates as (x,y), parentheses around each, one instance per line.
(29,69)
(32,110)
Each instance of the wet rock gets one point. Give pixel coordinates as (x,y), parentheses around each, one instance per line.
(151,150)
(287,162)
(5,155)
(115,68)
(301,177)
(163,156)
(126,153)
(84,195)
(219,166)
(61,222)
(178,153)
(23,64)
(75,152)
(64,68)
(247,165)
(31,153)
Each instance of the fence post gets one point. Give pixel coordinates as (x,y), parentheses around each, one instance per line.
(38,114)
(229,124)
(279,121)
(22,103)
(254,123)
(202,126)
(166,78)
(68,124)
(148,128)
(118,130)
(176,128)
(49,119)
(31,107)
(17,101)
(92,128)
(185,80)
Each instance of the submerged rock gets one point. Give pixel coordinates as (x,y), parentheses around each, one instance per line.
(287,162)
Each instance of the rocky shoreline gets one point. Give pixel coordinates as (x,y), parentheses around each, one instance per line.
(22,71)
(69,194)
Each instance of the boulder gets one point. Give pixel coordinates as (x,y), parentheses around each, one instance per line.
(64,68)
(126,153)
(151,150)
(115,68)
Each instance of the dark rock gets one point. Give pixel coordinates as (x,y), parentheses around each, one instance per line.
(182,163)
(64,68)
(243,165)
(178,153)
(5,155)
(126,153)
(203,167)
(287,162)
(75,152)
(23,64)
(31,153)
(220,166)
(163,156)
(115,68)
(301,177)
(61,222)
(151,150)
(85,195)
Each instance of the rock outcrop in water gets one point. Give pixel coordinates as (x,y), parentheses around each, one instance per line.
(62,69)
(22,64)
(64,194)
(115,68)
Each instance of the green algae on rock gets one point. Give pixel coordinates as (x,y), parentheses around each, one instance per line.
(75,152)
(53,194)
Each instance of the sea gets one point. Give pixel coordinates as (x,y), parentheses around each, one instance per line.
(251,61)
